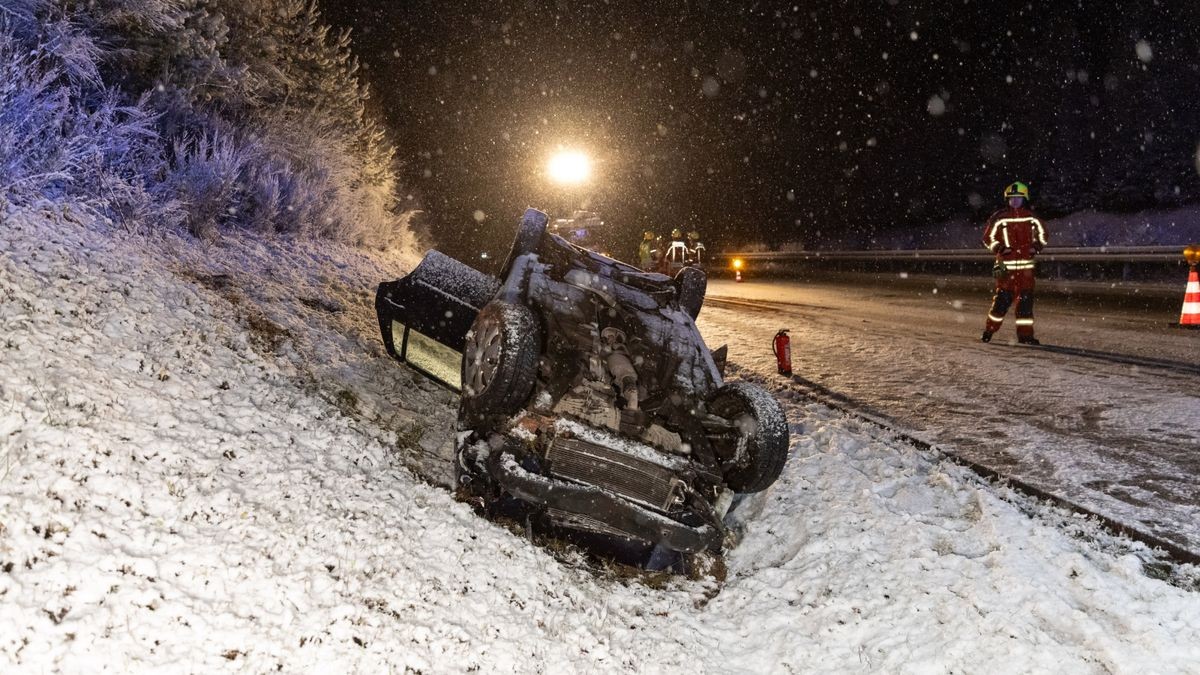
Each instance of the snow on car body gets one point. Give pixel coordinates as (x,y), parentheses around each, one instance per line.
(588,395)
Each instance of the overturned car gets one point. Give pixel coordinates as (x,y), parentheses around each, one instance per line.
(589,400)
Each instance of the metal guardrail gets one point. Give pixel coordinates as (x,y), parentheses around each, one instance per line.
(1111,254)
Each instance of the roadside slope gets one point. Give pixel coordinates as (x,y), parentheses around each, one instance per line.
(175,493)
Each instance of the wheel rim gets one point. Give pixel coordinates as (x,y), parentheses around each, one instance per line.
(482,357)
(747,424)
(737,440)
(747,431)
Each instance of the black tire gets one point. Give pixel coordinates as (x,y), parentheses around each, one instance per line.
(692,284)
(500,360)
(527,240)
(763,425)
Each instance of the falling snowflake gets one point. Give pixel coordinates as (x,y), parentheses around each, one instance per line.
(1143,50)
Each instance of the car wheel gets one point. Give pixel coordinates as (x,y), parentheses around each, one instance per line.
(759,447)
(528,238)
(691,283)
(500,359)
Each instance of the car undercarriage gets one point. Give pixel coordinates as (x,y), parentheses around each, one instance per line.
(589,402)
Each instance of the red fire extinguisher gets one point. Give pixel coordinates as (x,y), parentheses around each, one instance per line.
(782,346)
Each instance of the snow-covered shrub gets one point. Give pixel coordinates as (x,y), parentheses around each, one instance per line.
(59,40)
(320,165)
(210,113)
(330,191)
(33,109)
(287,178)
(60,138)
(311,108)
(204,176)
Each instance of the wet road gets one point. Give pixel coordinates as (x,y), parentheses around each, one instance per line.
(1107,415)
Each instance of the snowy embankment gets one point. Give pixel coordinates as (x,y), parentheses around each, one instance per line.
(193,479)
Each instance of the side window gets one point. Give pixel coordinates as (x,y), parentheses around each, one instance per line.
(428,356)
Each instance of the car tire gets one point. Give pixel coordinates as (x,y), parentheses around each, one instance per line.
(500,360)
(527,240)
(691,283)
(763,425)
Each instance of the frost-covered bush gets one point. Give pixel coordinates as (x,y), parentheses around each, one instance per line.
(204,176)
(33,112)
(326,169)
(62,138)
(209,113)
(42,25)
(332,192)
(288,177)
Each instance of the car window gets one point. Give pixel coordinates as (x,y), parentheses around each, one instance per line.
(428,356)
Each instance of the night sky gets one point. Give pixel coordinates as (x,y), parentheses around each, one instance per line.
(819,122)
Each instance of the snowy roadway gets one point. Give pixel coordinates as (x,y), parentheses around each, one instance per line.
(1111,422)
(204,467)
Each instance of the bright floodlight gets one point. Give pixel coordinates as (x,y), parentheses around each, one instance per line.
(570,167)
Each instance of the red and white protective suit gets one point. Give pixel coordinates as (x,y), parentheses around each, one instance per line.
(1015,235)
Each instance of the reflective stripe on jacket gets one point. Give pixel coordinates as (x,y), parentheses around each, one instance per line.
(677,252)
(1014,235)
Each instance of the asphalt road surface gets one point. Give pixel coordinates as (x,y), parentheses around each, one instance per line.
(1105,415)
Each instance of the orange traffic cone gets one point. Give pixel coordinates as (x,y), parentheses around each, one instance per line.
(738,278)
(1190,316)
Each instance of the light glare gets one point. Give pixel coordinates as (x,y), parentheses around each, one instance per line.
(570,167)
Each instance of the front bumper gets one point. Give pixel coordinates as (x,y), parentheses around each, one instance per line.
(596,504)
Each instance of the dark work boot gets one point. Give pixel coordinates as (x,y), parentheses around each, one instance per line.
(1028,340)
(987,336)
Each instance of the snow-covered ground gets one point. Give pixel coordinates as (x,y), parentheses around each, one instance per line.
(198,473)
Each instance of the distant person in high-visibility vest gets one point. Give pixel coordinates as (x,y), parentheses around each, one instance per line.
(647,251)
(695,248)
(1015,235)
(676,255)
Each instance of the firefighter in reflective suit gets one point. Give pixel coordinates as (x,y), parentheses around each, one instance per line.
(1015,235)
(676,255)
